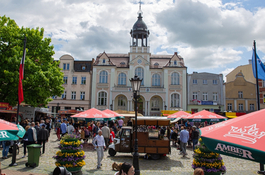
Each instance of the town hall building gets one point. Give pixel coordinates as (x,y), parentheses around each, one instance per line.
(164,85)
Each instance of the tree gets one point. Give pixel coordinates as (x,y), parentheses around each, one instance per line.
(42,76)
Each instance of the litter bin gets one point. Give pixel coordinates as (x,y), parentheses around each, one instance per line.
(33,155)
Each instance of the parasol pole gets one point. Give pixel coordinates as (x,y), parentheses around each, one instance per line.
(258,103)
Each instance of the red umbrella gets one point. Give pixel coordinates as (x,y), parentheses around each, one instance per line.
(242,137)
(93,114)
(179,114)
(205,115)
(112,113)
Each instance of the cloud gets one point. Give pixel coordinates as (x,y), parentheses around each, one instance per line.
(226,71)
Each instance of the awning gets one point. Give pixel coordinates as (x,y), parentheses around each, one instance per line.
(231,116)
(9,111)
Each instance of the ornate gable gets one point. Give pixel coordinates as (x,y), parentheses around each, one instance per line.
(139,59)
(103,60)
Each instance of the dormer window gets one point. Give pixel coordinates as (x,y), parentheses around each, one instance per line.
(122,63)
(83,67)
(156,65)
(175,63)
(103,61)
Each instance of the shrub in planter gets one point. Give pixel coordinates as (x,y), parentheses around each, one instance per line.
(71,154)
(211,162)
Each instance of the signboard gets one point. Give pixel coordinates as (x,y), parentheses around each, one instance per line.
(4,105)
(28,112)
(207,102)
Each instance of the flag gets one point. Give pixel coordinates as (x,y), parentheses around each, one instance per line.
(21,76)
(260,67)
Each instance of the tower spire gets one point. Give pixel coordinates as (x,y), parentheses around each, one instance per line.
(140,10)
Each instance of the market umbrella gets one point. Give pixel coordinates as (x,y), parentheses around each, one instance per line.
(205,116)
(93,114)
(10,131)
(241,137)
(179,114)
(113,114)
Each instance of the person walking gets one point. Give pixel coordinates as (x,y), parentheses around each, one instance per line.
(43,136)
(194,137)
(63,128)
(112,136)
(120,122)
(99,144)
(32,134)
(70,128)
(184,137)
(106,134)
(5,145)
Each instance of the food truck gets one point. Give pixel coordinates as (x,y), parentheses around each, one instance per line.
(149,140)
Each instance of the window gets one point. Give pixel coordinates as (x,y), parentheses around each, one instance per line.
(175,63)
(263,83)
(155,104)
(195,95)
(214,81)
(83,80)
(139,61)
(82,95)
(74,80)
(194,81)
(229,106)
(204,96)
(65,80)
(215,95)
(175,100)
(204,81)
(156,80)
(240,106)
(83,67)
(68,65)
(73,95)
(64,95)
(140,73)
(103,61)
(122,79)
(240,94)
(64,66)
(251,107)
(102,98)
(121,101)
(54,97)
(175,78)
(103,77)
(263,98)
(67,107)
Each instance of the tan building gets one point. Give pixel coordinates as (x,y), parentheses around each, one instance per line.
(240,95)
(77,85)
(164,77)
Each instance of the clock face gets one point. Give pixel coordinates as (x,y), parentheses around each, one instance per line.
(139,61)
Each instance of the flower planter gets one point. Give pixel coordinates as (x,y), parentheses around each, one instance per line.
(71,140)
(74,169)
(69,151)
(212,173)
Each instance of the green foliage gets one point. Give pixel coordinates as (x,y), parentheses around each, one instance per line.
(42,76)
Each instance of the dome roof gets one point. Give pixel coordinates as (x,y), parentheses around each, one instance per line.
(139,24)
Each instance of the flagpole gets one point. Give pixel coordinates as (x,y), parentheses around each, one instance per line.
(14,153)
(258,104)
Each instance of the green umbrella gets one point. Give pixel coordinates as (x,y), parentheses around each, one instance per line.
(10,131)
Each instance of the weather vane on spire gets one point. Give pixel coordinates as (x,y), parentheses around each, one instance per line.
(140,10)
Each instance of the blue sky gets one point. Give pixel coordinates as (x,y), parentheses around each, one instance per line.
(211,35)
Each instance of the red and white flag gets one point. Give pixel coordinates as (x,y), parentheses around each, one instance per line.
(21,76)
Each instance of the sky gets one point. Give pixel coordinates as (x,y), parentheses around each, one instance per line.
(212,36)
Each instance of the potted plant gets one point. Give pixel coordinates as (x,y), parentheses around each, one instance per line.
(71,154)
(211,162)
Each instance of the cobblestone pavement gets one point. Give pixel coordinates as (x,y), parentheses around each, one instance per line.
(170,164)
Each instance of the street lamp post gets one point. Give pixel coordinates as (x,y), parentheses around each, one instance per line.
(136,83)
(165,107)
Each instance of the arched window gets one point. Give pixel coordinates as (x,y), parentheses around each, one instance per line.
(103,77)
(156,80)
(175,100)
(140,73)
(102,98)
(121,101)
(122,79)
(175,78)
(155,104)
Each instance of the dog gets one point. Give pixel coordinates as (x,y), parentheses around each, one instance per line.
(116,167)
